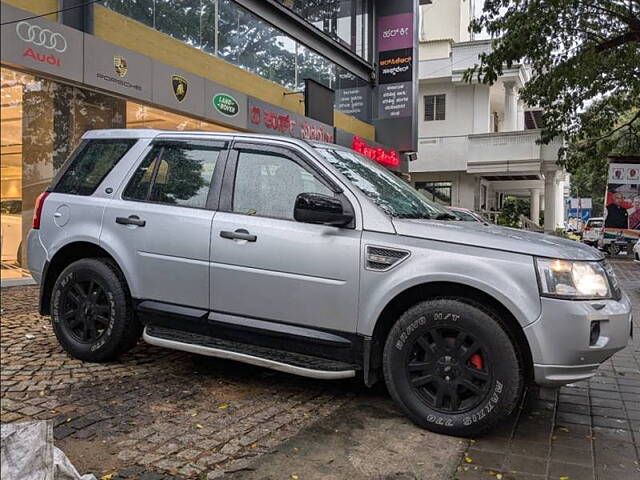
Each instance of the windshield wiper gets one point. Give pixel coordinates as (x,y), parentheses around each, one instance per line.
(412,216)
(445,216)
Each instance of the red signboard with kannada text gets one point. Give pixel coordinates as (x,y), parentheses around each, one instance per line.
(388,158)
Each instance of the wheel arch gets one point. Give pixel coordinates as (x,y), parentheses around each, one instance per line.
(402,301)
(63,257)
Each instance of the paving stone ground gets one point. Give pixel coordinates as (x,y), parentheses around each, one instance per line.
(158,414)
(589,430)
(155,410)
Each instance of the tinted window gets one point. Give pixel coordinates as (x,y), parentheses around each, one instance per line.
(175,174)
(394,196)
(92,163)
(267,185)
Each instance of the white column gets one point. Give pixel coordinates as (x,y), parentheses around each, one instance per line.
(535,205)
(510,107)
(560,208)
(550,198)
(520,117)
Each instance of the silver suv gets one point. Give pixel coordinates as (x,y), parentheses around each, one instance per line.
(310,259)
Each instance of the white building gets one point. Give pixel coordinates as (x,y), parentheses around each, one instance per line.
(477,144)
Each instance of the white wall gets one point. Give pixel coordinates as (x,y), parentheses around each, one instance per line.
(435,50)
(444,19)
(459,111)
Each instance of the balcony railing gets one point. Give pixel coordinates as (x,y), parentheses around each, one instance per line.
(504,152)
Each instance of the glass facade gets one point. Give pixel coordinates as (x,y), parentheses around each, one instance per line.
(41,122)
(228,31)
(346,21)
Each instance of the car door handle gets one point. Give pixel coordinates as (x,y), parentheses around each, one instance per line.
(131,220)
(240,234)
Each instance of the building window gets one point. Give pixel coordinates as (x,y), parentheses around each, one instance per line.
(439,192)
(434,107)
(346,21)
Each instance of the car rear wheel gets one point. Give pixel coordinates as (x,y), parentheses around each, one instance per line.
(91,311)
(452,367)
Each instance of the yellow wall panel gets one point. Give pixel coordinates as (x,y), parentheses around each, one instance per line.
(353,125)
(37,7)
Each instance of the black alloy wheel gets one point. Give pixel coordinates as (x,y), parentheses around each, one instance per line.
(85,310)
(448,369)
(451,366)
(91,311)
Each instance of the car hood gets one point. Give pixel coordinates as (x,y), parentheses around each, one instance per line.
(498,238)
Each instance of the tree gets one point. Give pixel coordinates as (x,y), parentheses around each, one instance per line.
(585,61)
(588,160)
(512,209)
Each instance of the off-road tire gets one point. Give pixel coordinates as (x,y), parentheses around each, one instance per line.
(411,335)
(120,332)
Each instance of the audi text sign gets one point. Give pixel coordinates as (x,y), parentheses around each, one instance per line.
(40,44)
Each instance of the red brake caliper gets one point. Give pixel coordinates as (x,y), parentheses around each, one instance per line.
(476,361)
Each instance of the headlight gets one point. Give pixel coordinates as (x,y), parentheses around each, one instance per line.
(572,279)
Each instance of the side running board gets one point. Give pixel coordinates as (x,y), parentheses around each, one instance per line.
(289,362)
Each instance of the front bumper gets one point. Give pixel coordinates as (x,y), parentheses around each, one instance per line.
(560,342)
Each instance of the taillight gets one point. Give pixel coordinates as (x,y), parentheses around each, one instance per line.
(37,213)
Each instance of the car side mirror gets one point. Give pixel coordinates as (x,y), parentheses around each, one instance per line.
(321,209)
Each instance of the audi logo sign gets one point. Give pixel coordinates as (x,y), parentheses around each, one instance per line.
(41,37)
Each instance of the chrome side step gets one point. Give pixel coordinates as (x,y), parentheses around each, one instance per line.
(246,358)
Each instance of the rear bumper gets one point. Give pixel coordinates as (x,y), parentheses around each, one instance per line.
(561,342)
(36,255)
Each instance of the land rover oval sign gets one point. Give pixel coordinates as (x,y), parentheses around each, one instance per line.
(225,104)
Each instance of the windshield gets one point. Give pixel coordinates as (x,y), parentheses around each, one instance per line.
(390,193)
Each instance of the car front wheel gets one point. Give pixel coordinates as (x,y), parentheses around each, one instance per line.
(451,366)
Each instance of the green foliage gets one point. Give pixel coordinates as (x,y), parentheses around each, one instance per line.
(512,208)
(585,61)
(588,164)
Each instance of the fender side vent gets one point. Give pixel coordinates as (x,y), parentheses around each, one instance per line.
(381,259)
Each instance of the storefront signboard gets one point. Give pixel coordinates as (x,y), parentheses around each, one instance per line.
(353,95)
(41,44)
(396,110)
(178,89)
(225,105)
(266,118)
(117,69)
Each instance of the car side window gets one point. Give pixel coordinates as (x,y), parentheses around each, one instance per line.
(175,174)
(267,184)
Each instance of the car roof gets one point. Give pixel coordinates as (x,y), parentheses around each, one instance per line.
(156,133)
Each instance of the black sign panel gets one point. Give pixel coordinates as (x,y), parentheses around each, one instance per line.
(395,66)
(318,101)
(396,111)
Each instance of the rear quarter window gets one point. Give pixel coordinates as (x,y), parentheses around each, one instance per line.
(92,163)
